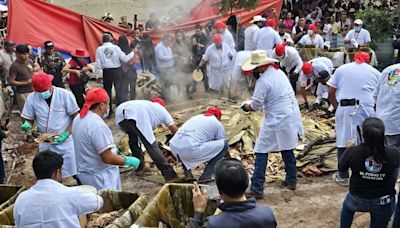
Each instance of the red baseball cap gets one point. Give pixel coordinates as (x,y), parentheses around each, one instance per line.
(158,100)
(307,68)
(313,28)
(214,111)
(42,81)
(93,96)
(280,49)
(220,25)
(217,38)
(362,57)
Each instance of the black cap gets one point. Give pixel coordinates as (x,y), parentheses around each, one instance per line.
(9,43)
(22,49)
(323,76)
(48,44)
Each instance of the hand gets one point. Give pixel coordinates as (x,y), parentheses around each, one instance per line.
(62,138)
(77,72)
(244,105)
(350,143)
(26,126)
(199,199)
(10,90)
(131,162)
(198,68)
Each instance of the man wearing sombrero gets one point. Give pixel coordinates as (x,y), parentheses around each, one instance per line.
(282,125)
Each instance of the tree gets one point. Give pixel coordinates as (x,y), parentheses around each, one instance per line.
(225,6)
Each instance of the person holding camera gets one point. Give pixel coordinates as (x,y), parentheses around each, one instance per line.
(52,63)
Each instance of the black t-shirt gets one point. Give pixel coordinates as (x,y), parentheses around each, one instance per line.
(371,179)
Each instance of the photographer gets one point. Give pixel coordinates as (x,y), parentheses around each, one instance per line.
(52,63)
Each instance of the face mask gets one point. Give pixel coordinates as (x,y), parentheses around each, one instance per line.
(105,115)
(357,29)
(256,75)
(280,58)
(45,95)
(310,32)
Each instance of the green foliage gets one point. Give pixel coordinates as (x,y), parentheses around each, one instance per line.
(229,6)
(379,22)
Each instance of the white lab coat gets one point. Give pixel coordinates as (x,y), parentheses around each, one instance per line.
(148,115)
(199,140)
(267,39)
(282,125)
(49,204)
(92,138)
(238,61)
(353,81)
(318,42)
(362,37)
(54,119)
(227,37)
(250,37)
(319,64)
(292,59)
(388,99)
(220,65)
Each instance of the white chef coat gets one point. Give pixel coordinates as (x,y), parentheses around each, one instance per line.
(54,119)
(164,56)
(238,61)
(353,81)
(267,39)
(148,115)
(220,65)
(93,137)
(286,38)
(227,37)
(250,37)
(198,140)
(282,125)
(318,42)
(49,204)
(362,37)
(292,59)
(110,55)
(388,99)
(328,30)
(319,64)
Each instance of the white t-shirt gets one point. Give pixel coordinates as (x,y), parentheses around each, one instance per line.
(362,37)
(250,37)
(238,61)
(318,42)
(267,39)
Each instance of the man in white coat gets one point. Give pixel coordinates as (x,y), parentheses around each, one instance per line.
(200,139)
(251,33)
(290,61)
(387,97)
(227,36)
(237,72)
(312,38)
(268,38)
(282,125)
(48,203)
(53,110)
(137,119)
(357,37)
(96,153)
(219,57)
(351,92)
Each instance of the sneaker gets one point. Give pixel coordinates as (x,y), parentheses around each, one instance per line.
(251,194)
(340,180)
(291,186)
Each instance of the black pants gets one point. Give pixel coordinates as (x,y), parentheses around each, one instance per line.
(58,78)
(293,80)
(130,78)
(2,173)
(78,90)
(129,127)
(114,77)
(149,62)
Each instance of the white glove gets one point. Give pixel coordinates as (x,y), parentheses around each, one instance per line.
(331,108)
(10,90)
(354,42)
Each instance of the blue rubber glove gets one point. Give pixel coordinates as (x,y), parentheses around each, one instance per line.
(60,139)
(131,162)
(26,126)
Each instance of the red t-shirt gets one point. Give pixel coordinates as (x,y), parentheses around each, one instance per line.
(73,77)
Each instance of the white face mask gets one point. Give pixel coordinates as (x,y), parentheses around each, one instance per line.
(357,29)
(280,58)
(310,32)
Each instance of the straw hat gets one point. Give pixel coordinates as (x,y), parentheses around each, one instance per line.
(258,58)
(197,75)
(258,18)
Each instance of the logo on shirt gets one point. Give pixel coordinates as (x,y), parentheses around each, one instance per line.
(393,77)
(108,52)
(372,166)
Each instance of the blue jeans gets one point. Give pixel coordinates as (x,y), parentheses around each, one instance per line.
(258,179)
(2,174)
(209,170)
(396,218)
(340,152)
(380,214)
(393,140)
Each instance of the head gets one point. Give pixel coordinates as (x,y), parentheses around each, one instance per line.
(271,23)
(280,51)
(141,27)
(97,101)
(47,165)
(362,57)
(281,29)
(231,179)
(343,16)
(80,53)
(9,46)
(124,19)
(307,68)
(167,40)
(373,134)
(313,14)
(123,43)
(179,36)
(22,52)
(312,30)
(107,37)
(358,25)
(289,15)
(323,77)
(158,100)
(258,63)
(220,26)
(197,29)
(302,22)
(129,26)
(214,111)
(49,47)
(258,20)
(217,39)
(308,23)
(42,84)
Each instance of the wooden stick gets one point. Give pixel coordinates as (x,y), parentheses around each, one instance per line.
(11,171)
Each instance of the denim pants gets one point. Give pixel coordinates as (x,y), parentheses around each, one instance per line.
(393,140)
(340,152)
(258,179)
(380,214)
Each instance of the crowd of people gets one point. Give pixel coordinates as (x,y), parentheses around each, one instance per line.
(363,100)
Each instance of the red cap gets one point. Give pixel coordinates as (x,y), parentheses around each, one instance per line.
(158,100)
(217,38)
(93,96)
(42,81)
(271,22)
(219,25)
(362,57)
(80,53)
(312,27)
(214,111)
(307,68)
(280,49)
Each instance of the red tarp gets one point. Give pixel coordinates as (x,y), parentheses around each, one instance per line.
(34,21)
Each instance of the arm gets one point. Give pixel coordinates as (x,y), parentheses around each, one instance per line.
(110,158)
(124,57)
(13,82)
(98,64)
(347,39)
(332,96)
(299,63)
(87,202)
(202,62)
(160,54)
(173,128)
(199,204)
(344,163)
(67,69)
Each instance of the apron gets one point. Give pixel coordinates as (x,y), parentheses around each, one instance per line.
(219,77)
(108,178)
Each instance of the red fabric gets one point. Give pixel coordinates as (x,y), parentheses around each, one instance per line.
(80,53)
(220,25)
(214,111)
(93,96)
(271,23)
(73,79)
(217,38)
(313,28)
(158,100)
(280,49)
(307,68)
(362,57)
(42,81)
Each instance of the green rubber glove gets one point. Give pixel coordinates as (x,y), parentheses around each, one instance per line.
(131,162)
(60,139)
(26,126)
